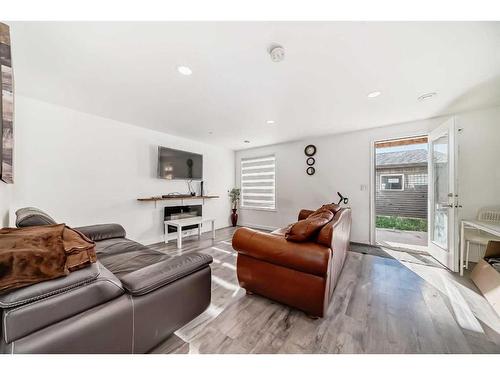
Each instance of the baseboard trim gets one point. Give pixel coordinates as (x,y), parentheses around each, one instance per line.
(258,226)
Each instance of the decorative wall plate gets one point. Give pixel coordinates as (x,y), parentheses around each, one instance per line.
(310,171)
(310,161)
(310,150)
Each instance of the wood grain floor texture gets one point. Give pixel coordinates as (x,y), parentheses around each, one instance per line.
(380,305)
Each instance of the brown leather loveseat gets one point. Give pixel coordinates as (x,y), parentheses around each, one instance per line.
(299,274)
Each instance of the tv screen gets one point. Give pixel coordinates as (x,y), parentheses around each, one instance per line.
(179,165)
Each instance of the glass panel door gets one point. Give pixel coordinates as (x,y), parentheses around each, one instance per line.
(440,168)
(443,243)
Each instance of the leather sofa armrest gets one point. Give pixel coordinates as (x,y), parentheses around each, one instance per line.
(101,232)
(304,214)
(49,288)
(309,257)
(156,275)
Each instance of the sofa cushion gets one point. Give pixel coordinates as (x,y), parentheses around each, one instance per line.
(31,255)
(48,288)
(95,286)
(122,256)
(308,257)
(32,216)
(156,275)
(101,232)
(303,230)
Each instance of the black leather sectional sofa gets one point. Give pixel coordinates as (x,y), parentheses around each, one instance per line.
(129,301)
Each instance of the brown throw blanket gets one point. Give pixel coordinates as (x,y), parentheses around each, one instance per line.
(34,254)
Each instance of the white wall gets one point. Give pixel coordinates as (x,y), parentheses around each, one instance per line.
(343,164)
(479,160)
(83,169)
(5,202)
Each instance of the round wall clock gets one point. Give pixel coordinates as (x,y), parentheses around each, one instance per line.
(310,171)
(310,161)
(310,150)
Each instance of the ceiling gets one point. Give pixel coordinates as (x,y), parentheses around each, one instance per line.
(127,71)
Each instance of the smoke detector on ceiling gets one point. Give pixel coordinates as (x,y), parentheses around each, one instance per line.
(277,53)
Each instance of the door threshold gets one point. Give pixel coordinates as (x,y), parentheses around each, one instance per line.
(403,249)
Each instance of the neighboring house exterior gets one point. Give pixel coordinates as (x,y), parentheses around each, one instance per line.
(401,184)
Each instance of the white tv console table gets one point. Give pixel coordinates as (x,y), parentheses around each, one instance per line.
(179,223)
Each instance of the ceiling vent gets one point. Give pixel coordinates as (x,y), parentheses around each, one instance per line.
(277,53)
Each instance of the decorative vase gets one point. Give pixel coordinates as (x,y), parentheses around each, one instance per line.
(234,217)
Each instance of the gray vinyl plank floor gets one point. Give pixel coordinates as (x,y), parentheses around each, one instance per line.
(381,305)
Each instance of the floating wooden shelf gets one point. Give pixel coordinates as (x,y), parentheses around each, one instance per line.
(176,197)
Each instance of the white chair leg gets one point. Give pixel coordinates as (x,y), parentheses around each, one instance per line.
(467,255)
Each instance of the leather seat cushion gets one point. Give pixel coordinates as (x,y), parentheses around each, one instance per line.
(303,230)
(308,257)
(141,269)
(123,256)
(97,286)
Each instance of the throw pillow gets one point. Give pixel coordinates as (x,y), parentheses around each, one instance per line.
(304,230)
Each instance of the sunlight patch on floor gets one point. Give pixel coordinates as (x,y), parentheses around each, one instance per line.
(221,250)
(459,294)
(225,284)
(228,265)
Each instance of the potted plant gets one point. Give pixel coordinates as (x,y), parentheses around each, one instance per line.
(234,194)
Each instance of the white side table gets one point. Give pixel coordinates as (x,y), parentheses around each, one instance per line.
(485,226)
(180,223)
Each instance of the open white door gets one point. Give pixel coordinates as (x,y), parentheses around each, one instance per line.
(443,198)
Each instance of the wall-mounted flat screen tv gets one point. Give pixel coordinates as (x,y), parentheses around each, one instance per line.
(179,165)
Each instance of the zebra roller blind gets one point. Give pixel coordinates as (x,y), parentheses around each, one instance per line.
(258,182)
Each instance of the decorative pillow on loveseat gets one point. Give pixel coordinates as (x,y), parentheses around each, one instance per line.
(304,230)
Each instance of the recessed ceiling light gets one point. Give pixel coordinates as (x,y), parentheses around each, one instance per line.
(270,122)
(374,94)
(246,141)
(427,95)
(184,70)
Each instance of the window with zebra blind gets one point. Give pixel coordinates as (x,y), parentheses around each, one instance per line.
(258,182)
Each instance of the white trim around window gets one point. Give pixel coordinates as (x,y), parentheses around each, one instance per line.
(400,176)
(258,183)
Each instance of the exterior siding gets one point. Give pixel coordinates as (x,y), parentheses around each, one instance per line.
(410,202)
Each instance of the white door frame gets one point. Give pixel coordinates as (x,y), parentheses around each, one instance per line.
(373,176)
